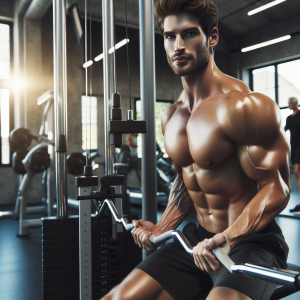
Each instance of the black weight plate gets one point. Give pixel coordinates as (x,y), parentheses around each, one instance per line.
(101,289)
(61,285)
(61,237)
(58,230)
(103,276)
(58,261)
(73,242)
(102,264)
(71,267)
(61,273)
(59,279)
(63,297)
(103,270)
(59,292)
(56,255)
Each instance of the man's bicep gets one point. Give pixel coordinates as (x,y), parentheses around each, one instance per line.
(266,164)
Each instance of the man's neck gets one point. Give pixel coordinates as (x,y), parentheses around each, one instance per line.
(201,85)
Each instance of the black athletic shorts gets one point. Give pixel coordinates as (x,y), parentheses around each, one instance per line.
(295,156)
(176,271)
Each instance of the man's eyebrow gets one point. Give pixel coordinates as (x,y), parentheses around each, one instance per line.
(183,31)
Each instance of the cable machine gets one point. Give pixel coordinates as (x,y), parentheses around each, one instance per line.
(93,246)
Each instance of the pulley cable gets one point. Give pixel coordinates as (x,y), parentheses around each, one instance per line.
(91,83)
(115,61)
(86,81)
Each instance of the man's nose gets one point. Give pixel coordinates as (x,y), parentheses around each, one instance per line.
(179,46)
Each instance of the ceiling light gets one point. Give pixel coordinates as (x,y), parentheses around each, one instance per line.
(257,10)
(112,49)
(99,57)
(89,63)
(119,45)
(281,39)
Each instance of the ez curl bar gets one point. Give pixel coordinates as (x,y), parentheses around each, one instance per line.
(279,276)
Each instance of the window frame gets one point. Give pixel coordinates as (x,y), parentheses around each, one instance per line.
(5,84)
(157,100)
(276,78)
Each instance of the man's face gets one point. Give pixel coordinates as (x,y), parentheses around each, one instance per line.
(292,105)
(185,43)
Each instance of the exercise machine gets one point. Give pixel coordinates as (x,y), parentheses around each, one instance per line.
(288,281)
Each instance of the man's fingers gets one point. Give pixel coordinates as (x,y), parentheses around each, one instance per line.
(217,241)
(211,261)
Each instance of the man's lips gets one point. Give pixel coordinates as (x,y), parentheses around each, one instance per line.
(180,59)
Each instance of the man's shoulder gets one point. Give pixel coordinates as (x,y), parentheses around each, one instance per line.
(242,115)
(246,102)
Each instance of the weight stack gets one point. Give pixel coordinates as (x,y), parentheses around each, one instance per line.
(112,259)
(60,262)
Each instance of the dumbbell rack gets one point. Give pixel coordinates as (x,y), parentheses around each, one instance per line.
(111,259)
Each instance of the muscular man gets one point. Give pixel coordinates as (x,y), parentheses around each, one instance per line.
(232,162)
(293,125)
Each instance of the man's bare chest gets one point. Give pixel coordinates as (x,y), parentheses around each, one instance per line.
(197,138)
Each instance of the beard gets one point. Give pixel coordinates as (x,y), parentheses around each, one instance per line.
(193,64)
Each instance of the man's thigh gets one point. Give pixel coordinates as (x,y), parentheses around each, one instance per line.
(224,293)
(138,285)
(252,252)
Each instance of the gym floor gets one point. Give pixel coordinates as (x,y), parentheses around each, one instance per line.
(20,258)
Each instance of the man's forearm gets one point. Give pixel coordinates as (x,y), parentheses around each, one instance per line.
(260,211)
(179,207)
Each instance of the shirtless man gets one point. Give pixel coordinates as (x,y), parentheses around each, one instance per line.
(232,162)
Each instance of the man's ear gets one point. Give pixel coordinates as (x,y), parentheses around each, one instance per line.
(213,38)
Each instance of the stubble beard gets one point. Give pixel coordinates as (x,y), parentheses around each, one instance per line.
(195,64)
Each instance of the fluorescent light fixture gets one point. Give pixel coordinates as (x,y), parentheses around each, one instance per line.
(257,10)
(99,57)
(264,44)
(89,63)
(112,49)
(118,45)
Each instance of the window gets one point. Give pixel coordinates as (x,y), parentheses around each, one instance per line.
(5,95)
(161,106)
(288,81)
(89,122)
(280,82)
(264,81)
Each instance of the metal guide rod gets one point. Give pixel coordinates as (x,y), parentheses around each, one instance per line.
(148,98)
(60,104)
(107,30)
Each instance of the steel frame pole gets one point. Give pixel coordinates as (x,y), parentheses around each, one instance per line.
(148,99)
(60,104)
(108,38)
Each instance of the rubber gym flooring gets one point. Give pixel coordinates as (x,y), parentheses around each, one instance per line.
(20,258)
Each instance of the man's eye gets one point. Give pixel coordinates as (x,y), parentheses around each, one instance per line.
(170,36)
(190,34)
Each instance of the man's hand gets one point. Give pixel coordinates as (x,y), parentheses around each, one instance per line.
(142,231)
(203,256)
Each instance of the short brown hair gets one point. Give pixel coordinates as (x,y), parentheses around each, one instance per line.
(205,10)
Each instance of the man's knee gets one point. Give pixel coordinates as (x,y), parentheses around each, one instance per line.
(225,293)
